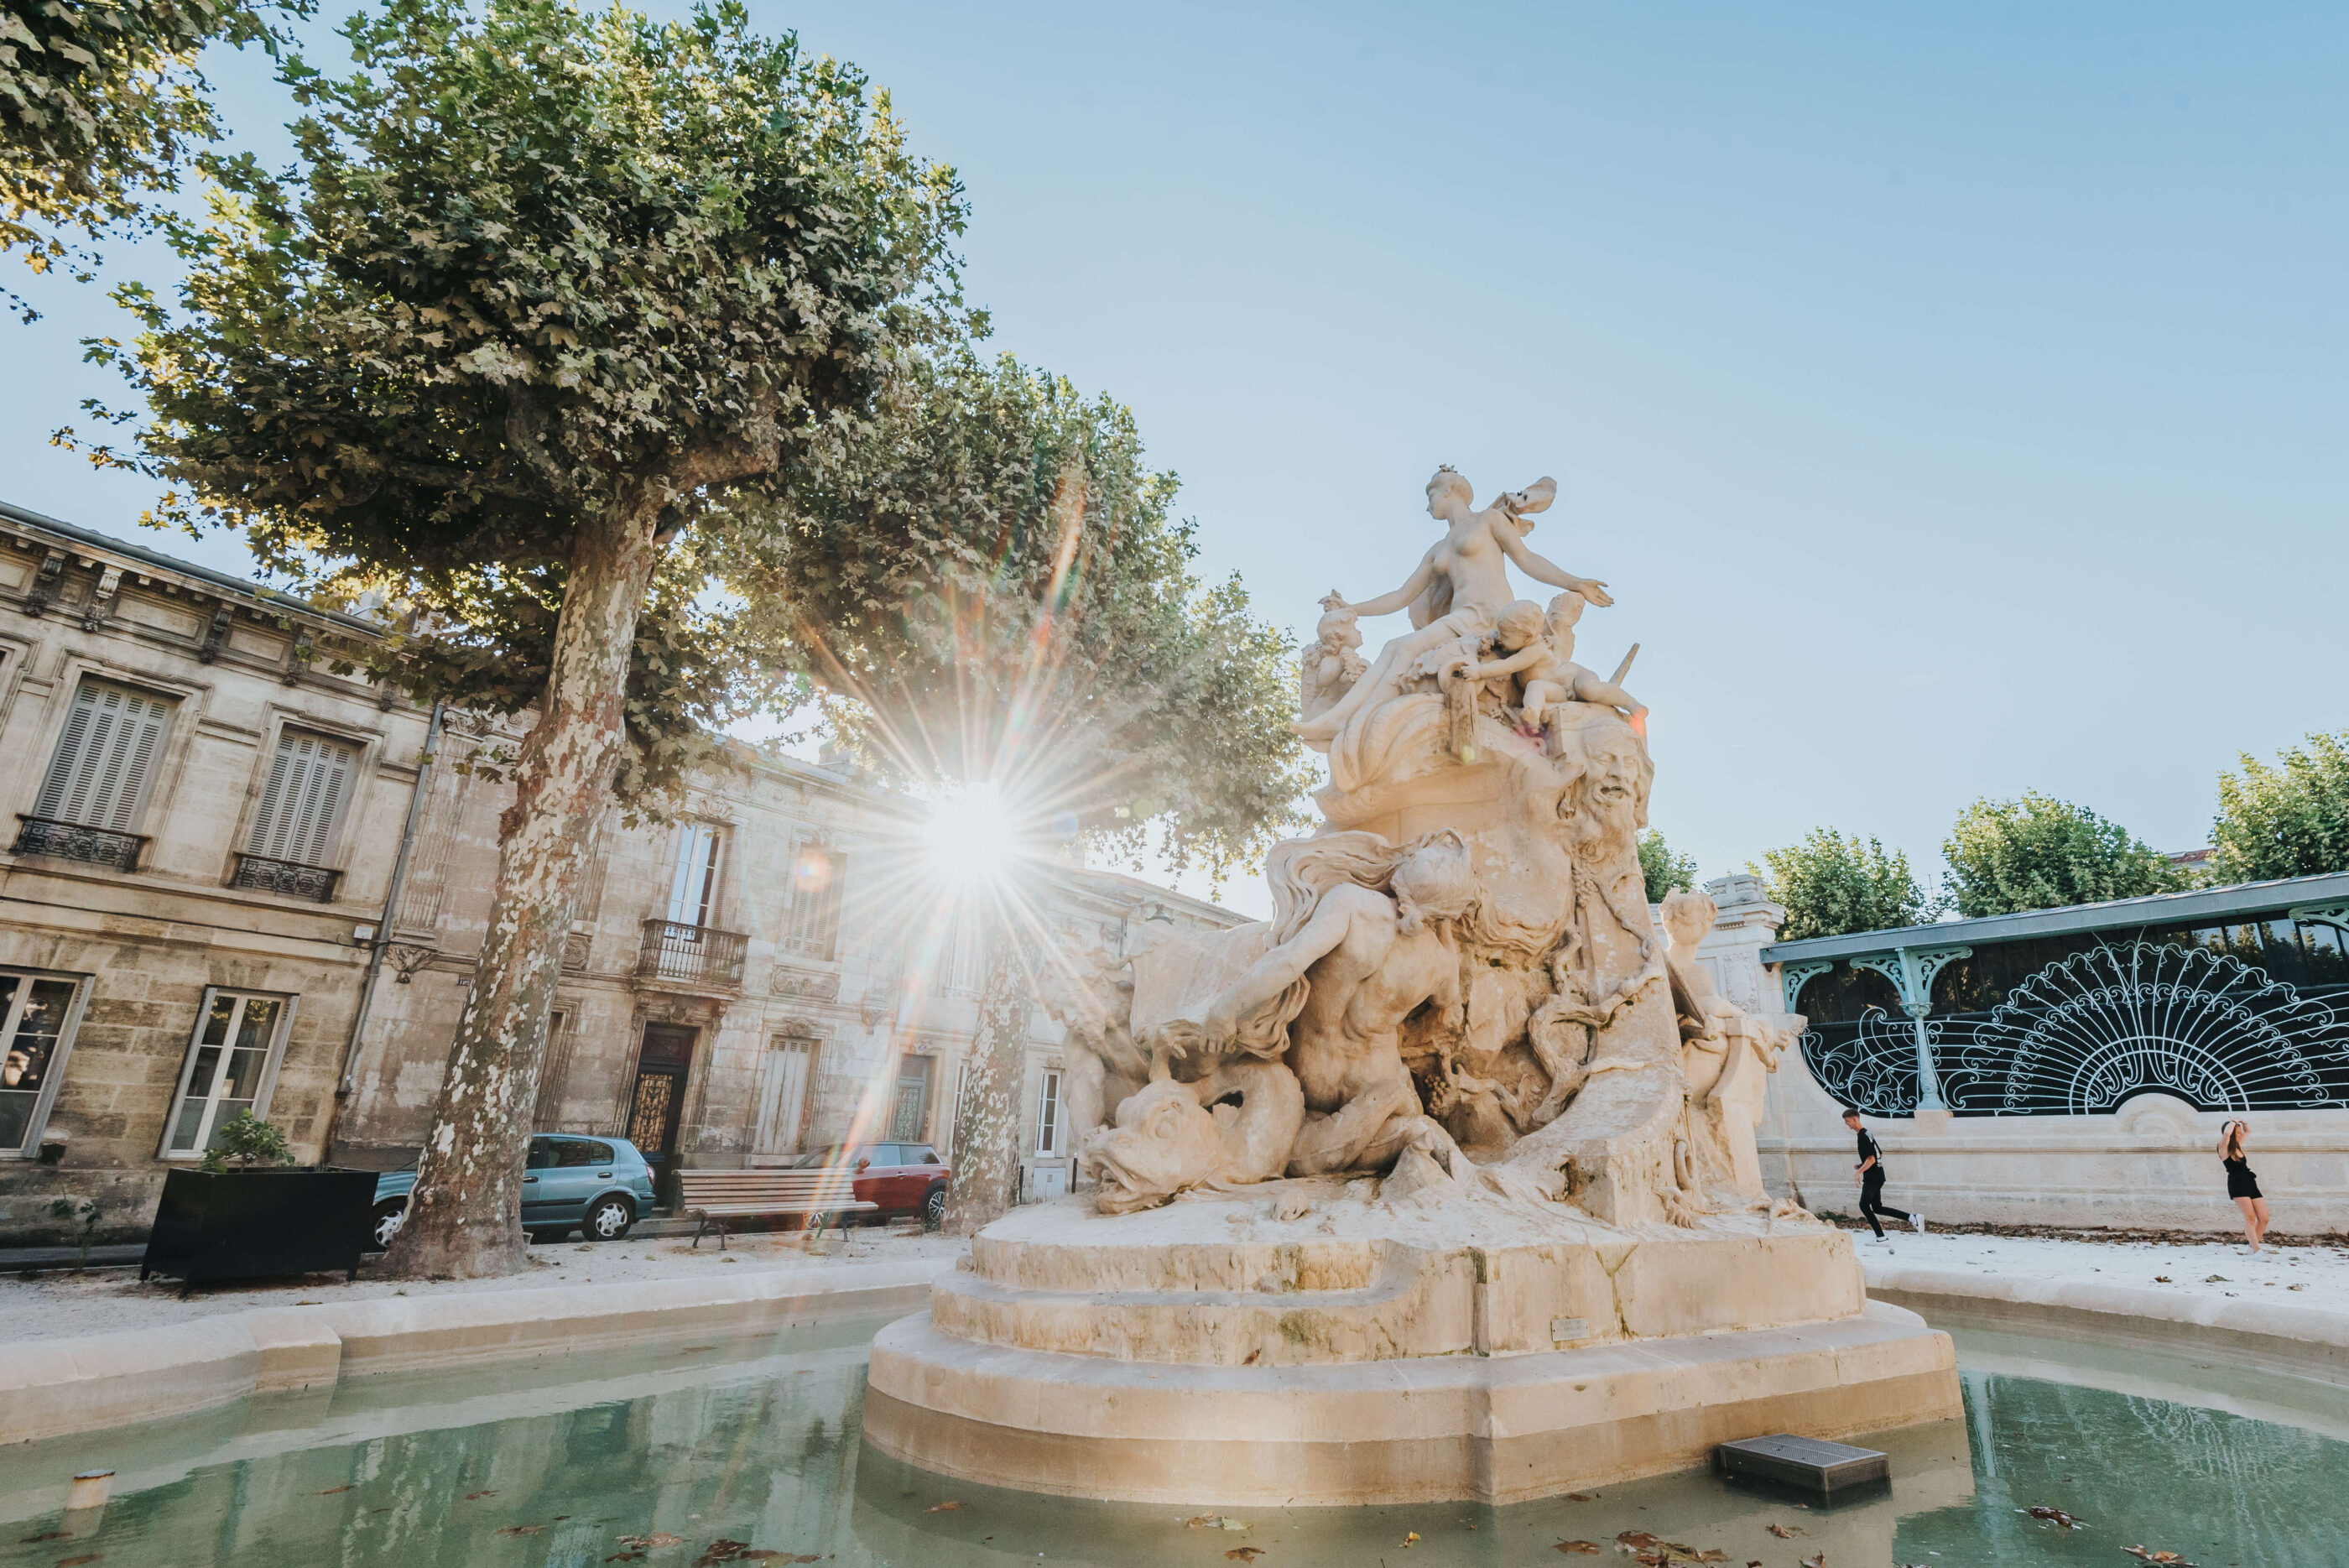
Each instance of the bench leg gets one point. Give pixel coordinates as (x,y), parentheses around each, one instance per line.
(699,1233)
(721,1235)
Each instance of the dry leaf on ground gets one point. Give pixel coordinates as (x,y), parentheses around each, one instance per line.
(1244,1553)
(1786,1531)
(1572,1546)
(942,1508)
(1818,1561)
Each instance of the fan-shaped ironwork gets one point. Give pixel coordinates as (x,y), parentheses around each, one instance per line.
(1876,1068)
(2083,1033)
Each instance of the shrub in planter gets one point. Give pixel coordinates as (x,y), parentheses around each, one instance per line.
(243,1215)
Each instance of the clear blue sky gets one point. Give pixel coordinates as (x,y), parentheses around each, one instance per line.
(1952,396)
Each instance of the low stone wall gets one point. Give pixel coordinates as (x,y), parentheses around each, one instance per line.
(145,1375)
(2296,1341)
(2152,1166)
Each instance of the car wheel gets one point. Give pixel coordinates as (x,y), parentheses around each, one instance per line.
(389,1216)
(933,1208)
(609,1219)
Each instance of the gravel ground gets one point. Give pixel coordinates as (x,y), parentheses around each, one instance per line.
(2307,1275)
(65,1306)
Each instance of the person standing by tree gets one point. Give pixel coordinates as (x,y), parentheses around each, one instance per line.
(1871,1182)
(2242,1181)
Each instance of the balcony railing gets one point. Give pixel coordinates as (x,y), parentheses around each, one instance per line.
(692,956)
(291,878)
(74,841)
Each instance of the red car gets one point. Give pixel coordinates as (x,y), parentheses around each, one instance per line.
(895,1177)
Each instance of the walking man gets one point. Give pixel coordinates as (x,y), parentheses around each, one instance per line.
(1871,1182)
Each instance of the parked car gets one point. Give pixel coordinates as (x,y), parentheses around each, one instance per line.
(598,1185)
(895,1177)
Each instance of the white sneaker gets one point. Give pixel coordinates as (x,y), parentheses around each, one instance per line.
(1918,1220)
(1879,1240)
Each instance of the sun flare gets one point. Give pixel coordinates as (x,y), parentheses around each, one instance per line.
(969,834)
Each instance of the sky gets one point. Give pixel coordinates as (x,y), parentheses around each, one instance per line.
(1953,398)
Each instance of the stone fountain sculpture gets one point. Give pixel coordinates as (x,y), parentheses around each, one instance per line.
(1442,1182)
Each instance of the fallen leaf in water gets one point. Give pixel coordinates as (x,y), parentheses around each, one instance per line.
(476,1496)
(1214,1522)
(523,1529)
(1244,1553)
(626,1557)
(656,1538)
(2054,1516)
(332,1491)
(48,1535)
(1641,1541)
(1580,1496)
(2141,1553)
(721,1551)
(1591,1547)
(942,1508)
(1411,1538)
(77,1561)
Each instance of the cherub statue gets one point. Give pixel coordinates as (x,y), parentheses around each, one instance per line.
(1726,1052)
(1568,679)
(1460,585)
(1332,662)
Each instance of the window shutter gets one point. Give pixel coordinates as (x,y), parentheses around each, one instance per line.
(104,757)
(308,784)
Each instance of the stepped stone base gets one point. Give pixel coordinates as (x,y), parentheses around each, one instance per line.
(1426,1428)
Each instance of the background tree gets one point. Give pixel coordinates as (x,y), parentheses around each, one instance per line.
(2291,819)
(992,590)
(551,294)
(100,102)
(1831,884)
(1663,869)
(2040,853)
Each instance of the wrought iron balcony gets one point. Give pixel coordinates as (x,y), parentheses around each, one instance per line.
(695,957)
(75,841)
(290,877)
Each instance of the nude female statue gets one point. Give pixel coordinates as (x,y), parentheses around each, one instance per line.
(1464,580)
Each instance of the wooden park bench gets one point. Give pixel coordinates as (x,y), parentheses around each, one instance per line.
(714,1197)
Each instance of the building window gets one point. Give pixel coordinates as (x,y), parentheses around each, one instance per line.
(300,813)
(230,1066)
(812,915)
(1048,1115)
(910,1108)
(783,1083)
(964,969)
(553,1068)
(37,1019)
(693,885)
(96,784)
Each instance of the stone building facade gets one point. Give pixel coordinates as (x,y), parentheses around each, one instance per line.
(207,822)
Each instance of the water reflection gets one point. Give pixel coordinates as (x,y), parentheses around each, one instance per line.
(748,1453)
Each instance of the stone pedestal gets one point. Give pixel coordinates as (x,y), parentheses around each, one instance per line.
(1331,1343)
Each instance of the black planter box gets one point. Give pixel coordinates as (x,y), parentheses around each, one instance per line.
(241,1224)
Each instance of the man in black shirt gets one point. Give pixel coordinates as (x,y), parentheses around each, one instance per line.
(1871,1182)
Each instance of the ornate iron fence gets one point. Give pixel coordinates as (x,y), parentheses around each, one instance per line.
(692,955)
(291,878)
(2086,1033)
(77,841)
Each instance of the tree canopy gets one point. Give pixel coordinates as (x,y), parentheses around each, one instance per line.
(101,102)
(989,584)
(1832,883)
(542,269)
(2289,818)
(2040,853)
(1663,869)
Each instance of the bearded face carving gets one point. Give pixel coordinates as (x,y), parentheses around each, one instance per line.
(1605,804)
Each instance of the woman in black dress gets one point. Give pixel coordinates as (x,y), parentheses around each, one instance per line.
(2242,1183)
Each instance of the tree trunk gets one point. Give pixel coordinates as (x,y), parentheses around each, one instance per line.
(986,1120)
(464,1218)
